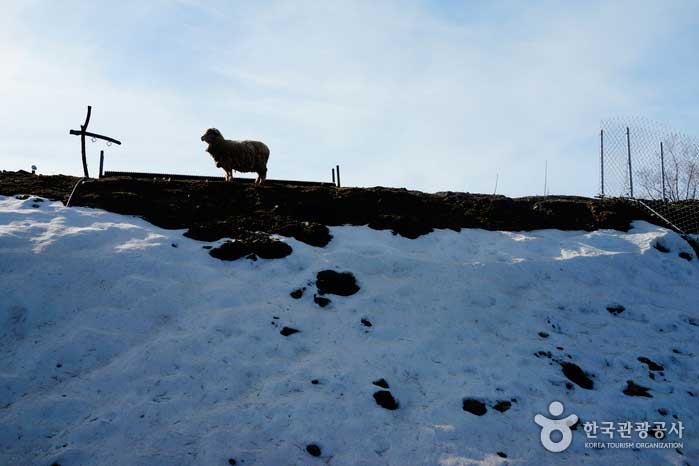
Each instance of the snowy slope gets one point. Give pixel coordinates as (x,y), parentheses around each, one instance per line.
(125,344)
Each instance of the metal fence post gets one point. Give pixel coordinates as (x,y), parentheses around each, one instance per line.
(662,167)
(333,171)
(337,168)
(101,162)
(601,160)
(628,149)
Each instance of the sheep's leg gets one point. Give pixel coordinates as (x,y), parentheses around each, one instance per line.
(261,176)
(230,175)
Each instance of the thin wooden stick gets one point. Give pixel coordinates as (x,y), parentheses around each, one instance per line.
(83,129)
(95,135)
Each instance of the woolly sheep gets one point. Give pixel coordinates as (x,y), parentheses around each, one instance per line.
(241,156)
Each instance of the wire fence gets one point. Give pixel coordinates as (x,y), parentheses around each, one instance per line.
(653,165)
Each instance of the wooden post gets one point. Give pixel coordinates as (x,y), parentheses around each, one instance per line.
(662,167)
(333,170)
(83,128)
(601,160)
(628,149)
(101,162)
(337,168)
(83,133)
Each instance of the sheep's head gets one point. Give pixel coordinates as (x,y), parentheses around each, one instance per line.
(211,135)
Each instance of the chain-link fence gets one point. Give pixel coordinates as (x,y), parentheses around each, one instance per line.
(654,166)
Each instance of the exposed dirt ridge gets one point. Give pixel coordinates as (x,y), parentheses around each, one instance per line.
(215,210)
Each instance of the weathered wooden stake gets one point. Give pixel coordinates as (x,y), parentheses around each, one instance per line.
(83,128)
(83,133)
(337,167)
(101,162)
(333,170)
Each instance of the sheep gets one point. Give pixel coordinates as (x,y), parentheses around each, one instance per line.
(241,156)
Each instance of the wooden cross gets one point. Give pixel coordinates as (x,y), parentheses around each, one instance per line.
(83,132)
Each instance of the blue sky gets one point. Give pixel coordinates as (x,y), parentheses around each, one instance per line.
(429,95)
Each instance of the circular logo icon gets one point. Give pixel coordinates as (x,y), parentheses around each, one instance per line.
(549,426)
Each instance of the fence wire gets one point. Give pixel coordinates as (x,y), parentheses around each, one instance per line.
(658,167)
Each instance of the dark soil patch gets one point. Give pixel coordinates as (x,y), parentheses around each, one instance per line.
(252,247)
(543,354)
(472,406)
(313,449)
(297,293)
(286,331)
(315,381)
(661,247)
(55,188)
(409,226)
(385,399)
(321,301)
(366,323)
(381,383)
(502,406)
(311,233)
(575,374)
(501,454)
(685,255)
(653,366)
(232,462)
(633,389)
(543,334)
(339,283)
(616,309)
